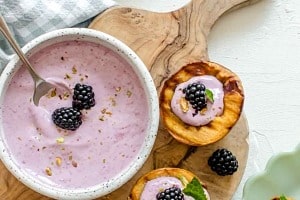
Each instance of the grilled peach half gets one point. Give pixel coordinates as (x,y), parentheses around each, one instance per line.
(220,126)
(185,176)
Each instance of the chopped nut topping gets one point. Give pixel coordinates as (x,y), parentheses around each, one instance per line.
(74,70)
(118,89)
(108,113)
(58,161)
(60,140)
(66,95)
(48,171)
(113,101)
(67,76)
(203,111)
(74,163)
(52,93)
(101,118)
(103,110)
(128,93)
(184,105)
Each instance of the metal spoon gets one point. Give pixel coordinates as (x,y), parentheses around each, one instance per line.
(41,87)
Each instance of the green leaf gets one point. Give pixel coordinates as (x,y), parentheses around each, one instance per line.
(195,190)
(210,95)
(282,197)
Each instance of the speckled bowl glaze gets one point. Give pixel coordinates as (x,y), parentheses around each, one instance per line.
(280,177)
(83,34)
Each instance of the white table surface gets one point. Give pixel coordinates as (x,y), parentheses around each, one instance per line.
(261,43)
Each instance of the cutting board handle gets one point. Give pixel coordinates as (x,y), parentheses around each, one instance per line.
(166,41)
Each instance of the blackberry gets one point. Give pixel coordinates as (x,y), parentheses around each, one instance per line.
(223,162)
(195,95)
(67,118)
(173,193)
(83,97)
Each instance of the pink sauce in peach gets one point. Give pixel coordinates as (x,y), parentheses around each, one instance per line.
(213,108)
(154,186)
(112,132)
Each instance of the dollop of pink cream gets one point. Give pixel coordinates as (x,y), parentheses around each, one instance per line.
(213,108)
(154,186)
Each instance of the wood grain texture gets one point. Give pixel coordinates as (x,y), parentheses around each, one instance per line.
(165,42)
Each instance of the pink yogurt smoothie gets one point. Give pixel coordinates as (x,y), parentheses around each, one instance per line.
(213,108)
(112,132)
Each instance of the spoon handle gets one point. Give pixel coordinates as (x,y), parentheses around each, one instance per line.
(7,34)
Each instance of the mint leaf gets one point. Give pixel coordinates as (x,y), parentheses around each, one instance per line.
(210,95)
(195,190)
(282,197)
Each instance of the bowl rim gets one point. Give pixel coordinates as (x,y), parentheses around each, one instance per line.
(149,87)
(272,161)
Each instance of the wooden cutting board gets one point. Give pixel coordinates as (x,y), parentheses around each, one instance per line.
(165,42)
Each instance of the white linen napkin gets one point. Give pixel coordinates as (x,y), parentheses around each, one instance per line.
(28,19)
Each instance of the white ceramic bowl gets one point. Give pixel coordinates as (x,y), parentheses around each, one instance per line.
(82,34)
(280,177)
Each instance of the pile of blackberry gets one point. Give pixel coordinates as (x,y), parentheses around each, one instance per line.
(69,118)
(173,193)
(223,162)
(195,95)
